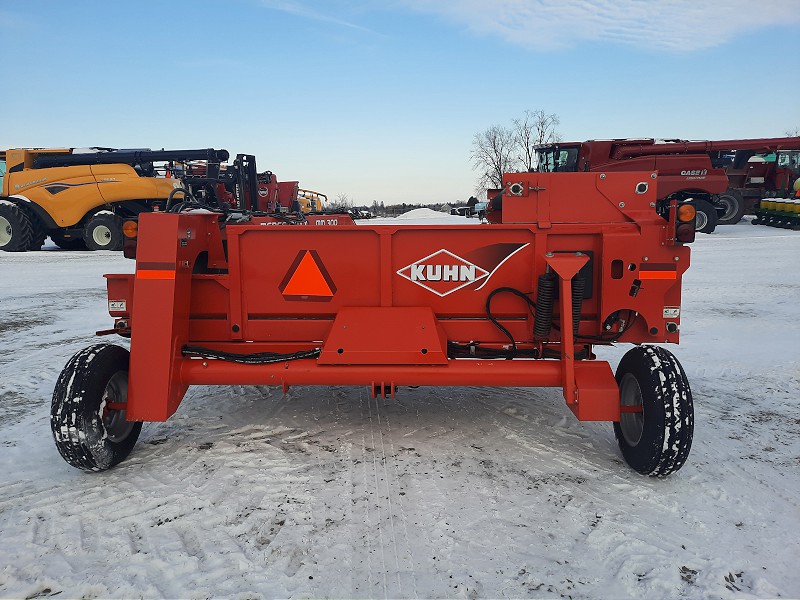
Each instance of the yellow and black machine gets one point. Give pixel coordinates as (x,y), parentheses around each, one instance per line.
(80,197)
(311,201)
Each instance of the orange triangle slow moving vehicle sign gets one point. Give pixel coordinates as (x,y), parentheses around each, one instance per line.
(307,279)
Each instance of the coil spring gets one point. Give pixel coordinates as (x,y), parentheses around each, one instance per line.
(545,296)
(578,285)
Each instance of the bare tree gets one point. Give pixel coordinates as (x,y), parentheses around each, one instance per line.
(492,155)
(793,132)
(342,202)
(534,129)
(501,150)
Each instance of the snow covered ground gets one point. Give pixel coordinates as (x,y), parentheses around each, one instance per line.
(453,492)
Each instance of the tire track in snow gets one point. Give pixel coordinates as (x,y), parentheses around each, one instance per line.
(409,569)
(376,493)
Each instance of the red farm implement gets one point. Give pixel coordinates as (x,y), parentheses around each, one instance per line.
(569,261)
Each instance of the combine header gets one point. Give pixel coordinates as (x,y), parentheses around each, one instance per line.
(569,261)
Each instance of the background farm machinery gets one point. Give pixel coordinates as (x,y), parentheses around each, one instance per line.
(79,198)
(725,178)
(569,262)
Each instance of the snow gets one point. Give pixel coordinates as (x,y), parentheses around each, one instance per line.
(422,216)
(450,492)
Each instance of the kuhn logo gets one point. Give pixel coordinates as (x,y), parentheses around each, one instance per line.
(443,272)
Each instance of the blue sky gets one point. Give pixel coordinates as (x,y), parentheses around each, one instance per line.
(380,100)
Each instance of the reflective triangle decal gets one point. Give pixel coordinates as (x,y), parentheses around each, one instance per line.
(307,279)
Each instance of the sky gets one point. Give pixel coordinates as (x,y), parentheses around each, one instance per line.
(380,100)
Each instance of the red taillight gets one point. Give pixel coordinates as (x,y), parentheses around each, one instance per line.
(684,232)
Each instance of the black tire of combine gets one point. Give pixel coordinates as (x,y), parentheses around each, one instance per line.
(733,203)
(38,235)
(706,221)
(67,243)
(657,440)
(103,232)
(15,228)
(88,436)
(38,231)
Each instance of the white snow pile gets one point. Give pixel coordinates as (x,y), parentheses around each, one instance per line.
(421,213)
(422,216)
(455,492)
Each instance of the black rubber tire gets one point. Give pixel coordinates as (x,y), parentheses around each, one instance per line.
(83,432)
(652,377)
(67,243)
(103,232)
(706,221)
(732,202)
(38,231)
(15,228)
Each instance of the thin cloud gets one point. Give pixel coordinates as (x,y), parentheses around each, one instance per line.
(301,10)
(672,25)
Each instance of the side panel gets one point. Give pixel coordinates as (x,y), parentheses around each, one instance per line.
(121,182)
(65,193)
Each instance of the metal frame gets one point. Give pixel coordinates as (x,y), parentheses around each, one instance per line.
(373,325)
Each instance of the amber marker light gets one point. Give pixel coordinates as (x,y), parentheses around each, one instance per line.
(130,229)
(686,213)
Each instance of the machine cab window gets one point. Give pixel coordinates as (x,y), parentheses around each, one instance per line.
(556,159)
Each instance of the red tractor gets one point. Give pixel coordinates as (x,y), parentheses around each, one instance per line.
(568,262)
(715,174)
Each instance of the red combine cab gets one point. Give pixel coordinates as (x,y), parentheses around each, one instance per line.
(569,262)
(719,176)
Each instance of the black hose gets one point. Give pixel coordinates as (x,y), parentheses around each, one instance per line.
(187,197)
(531,307)
(257,358)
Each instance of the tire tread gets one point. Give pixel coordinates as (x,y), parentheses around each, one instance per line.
(663,382)
(22,231)
(74,399)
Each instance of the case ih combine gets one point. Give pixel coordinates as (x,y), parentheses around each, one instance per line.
(570,261)
(722,177)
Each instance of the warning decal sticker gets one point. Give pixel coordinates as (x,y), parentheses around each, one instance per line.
(307,279)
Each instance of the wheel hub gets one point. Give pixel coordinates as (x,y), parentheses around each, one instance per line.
(700,221)
(729,206)
(631,423)
(5,231)
(114,420)
(101,235)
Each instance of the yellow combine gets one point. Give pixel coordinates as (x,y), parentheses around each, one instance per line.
(79,198)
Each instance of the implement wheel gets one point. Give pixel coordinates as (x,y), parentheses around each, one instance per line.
(88,413)
(657,423)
